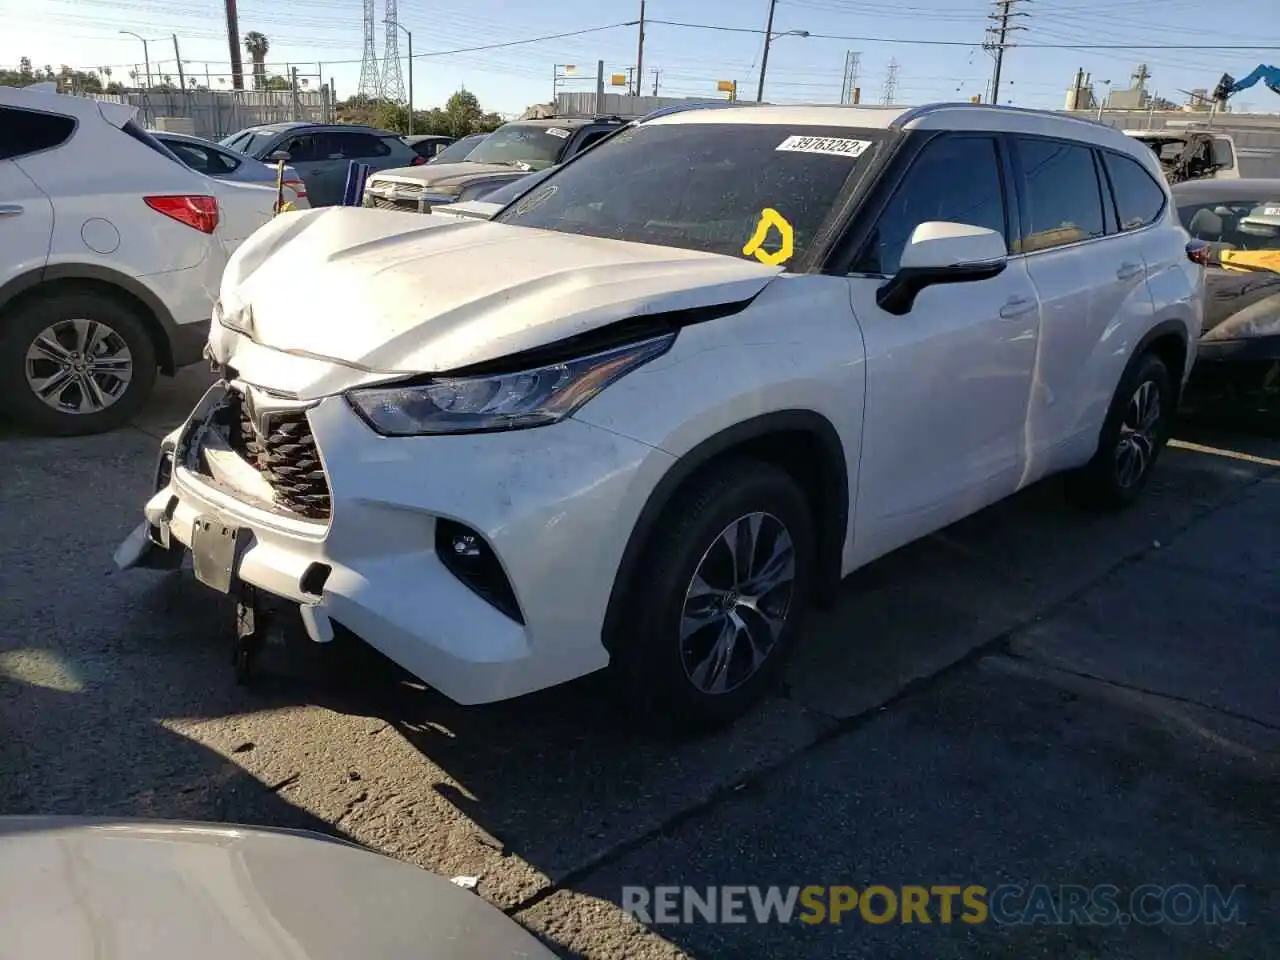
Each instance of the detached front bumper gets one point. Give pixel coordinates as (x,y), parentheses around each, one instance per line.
(554,505)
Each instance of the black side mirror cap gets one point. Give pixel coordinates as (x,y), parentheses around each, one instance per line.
(898,294)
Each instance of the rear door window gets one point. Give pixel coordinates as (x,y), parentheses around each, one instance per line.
(30,131)
(1139,199)
(932,191)
(1061,195)
(352,146)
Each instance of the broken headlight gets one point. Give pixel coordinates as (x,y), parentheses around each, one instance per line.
(499,401)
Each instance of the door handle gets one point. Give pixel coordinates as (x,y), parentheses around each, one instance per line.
(1128,270)
(1017,307)
(10,209)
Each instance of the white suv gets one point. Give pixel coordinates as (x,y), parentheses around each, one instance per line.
(670,396)
(111,251)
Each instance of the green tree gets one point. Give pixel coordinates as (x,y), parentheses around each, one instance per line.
(462,113)
(256,45)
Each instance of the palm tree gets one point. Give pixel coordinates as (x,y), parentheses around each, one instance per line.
(257,45)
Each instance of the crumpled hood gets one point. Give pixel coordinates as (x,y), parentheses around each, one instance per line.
(445,177)
(76,889)
(389,294)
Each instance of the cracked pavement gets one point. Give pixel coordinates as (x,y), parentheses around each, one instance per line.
(1034,695)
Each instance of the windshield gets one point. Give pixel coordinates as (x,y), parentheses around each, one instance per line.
(536,145)
(457,151)
(248,142)
(739,189)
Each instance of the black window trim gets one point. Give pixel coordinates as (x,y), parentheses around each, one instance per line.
(1104,190)
(1102,153)
(75,127)
(882,190)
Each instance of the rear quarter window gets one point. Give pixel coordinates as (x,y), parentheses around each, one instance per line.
(1139,199)
(30,131)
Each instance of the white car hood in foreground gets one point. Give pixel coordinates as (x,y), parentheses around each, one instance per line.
(388,293)
(76,890)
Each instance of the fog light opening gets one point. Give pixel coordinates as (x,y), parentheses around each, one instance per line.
(467,555)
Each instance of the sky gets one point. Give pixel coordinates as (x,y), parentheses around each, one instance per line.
(935,43)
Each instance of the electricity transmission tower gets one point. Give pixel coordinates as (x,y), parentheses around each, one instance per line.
(997,39)
(370,84)
(890,91)
(392,78)
(852,62)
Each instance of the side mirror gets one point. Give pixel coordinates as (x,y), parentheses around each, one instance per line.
(941,252)
(279,155)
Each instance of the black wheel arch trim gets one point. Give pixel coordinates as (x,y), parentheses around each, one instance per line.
(168,327)
(1163,329)
(830,528)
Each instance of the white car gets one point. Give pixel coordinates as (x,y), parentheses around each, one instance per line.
(658,405)
(111,251)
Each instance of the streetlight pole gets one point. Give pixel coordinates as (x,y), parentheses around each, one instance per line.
(764,57)
(769,37)
(409,35)
(146,56)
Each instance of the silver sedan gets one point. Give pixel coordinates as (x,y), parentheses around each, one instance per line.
(215,161)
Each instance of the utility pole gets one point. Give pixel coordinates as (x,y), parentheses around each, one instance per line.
(998,38)
(293,88)
(208,80)
(1077,89)
(233,45)
(599,107)
(182,80)
(764,57)
(656,75)
(640,52)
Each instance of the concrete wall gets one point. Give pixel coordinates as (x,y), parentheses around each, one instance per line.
(215,114)
(577,104)
(1257,136)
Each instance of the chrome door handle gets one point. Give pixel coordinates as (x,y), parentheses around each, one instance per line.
(10,209)
(1128,270)
(1017,306)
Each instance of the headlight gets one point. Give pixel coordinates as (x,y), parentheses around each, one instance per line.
(234,317)
(500,401)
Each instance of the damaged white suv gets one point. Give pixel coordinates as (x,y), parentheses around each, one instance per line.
(667,398)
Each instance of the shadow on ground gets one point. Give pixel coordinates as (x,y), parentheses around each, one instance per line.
(119,700)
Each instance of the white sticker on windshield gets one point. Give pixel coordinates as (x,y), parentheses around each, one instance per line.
(1271,211)
(560,132)
(833,146)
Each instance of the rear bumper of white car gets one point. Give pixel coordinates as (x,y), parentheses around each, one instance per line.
(554,505)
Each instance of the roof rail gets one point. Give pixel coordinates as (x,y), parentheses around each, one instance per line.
(684,107)
(924,110)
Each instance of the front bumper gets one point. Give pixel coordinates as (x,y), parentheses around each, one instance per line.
(556,505)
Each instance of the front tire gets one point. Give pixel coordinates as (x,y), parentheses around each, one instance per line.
(725,585)
(74,363)
(1135,431)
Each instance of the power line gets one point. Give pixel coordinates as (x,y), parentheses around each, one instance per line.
(973,43)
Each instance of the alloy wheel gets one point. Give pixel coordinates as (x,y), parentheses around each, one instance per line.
(737,603)
(79,366)
(1139,434)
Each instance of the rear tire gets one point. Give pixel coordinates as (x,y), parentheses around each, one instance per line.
(74,363)
(1135,431)
(706,631)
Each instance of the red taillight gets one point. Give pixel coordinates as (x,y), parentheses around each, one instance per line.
(194,211)
(298,187)
(417,161)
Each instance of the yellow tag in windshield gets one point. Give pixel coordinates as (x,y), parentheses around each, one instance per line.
(771,219)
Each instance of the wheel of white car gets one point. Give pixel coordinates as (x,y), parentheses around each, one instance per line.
(727,579)
(1134,433)
(74,363)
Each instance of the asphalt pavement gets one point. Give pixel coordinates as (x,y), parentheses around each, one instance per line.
(1037,695)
